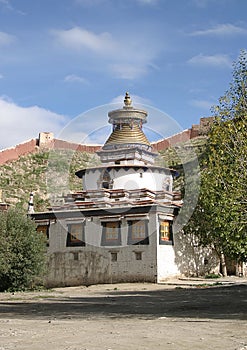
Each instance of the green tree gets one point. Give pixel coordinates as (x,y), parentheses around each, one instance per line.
(22,258)
(220,218)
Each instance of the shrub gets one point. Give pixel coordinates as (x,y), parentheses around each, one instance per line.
(22,251)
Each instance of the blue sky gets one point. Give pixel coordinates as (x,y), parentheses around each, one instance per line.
(61,58)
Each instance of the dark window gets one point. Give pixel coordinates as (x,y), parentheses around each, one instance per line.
(76,255)
(138,255)
(111,233)
(138,232)
(165,232)
(105,185)
(75,235)
(44,230)
(106,180)
(113,256)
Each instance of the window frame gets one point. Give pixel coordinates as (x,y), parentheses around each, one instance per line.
(46,234)
(79,242)
(141,240)
(106,180)
(105,241)
(165,232)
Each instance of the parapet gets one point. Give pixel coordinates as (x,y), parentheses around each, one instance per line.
(45,138)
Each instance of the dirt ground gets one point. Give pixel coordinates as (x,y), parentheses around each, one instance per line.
(126,317)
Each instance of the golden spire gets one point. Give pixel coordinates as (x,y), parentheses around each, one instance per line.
(127,100)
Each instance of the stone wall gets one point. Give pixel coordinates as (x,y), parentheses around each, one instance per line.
(173,140)
(47,141)
(60,144)
(34,145)
(14,153)
(185,135)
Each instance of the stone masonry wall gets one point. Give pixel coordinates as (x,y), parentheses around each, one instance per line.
(16,152)
(32,146)
(46,141)
(171,141)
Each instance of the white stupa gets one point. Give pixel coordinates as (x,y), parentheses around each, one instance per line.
(128,159)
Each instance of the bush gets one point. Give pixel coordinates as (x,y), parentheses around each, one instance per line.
(22,251)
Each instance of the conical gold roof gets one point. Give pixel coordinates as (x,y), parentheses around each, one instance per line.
(127,134)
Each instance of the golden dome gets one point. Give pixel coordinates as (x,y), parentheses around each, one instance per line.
(128,134)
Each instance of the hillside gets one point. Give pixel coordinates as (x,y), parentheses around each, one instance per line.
(182,152)
(55,170)
(34,171)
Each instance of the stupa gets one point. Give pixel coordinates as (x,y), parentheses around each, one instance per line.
(127,160)
(118,228)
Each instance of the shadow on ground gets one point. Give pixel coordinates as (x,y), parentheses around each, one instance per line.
(211,303)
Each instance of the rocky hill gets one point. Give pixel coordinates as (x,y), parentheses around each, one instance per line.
(36,171)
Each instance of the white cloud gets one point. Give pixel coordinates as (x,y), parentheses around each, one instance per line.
(6,39)
(213,60)
(73,78)
(79,38)
(33,120)
(204,104)
(221,30)
(18,124)
(1,76)
(125,59)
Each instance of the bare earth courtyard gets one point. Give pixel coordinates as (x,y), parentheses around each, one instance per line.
(126,317)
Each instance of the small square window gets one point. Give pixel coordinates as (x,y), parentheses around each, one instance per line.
(113,256)
(138,255)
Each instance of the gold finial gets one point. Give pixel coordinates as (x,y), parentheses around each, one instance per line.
(127,100)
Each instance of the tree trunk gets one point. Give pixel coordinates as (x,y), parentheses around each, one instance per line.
(223,264)
(240,269)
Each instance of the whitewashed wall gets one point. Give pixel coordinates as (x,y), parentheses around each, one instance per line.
(69,266)
(129,179)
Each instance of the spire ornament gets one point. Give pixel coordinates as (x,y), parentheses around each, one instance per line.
(127,100)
